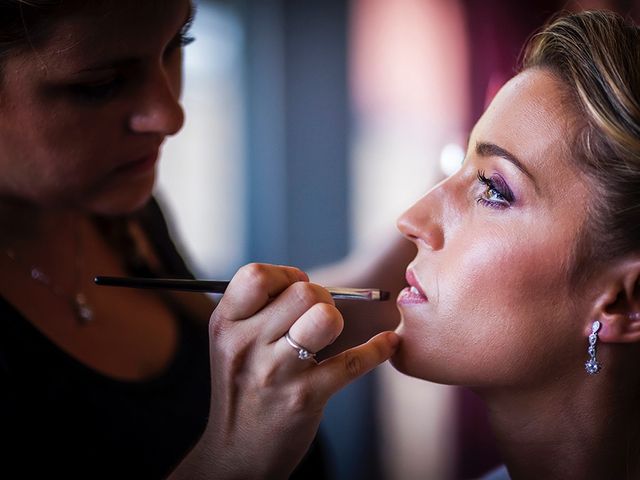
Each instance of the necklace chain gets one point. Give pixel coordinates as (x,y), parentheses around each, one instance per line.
(78,301)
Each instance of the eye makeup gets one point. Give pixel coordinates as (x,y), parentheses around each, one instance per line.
(496,193)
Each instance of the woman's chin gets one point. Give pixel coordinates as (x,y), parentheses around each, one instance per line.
(123,203)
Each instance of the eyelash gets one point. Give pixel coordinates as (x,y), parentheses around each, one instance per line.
(494,188)
(180,41)
(184,38)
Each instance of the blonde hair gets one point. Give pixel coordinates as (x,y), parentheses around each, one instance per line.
(596,56)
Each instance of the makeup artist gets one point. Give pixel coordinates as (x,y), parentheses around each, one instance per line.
(116,383)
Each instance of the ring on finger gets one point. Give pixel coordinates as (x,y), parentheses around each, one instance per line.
(303,353)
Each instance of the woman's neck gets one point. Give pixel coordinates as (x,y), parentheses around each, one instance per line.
(588,432)
(49,242)
(24,224)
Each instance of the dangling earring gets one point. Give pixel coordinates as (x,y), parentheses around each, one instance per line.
(592,366)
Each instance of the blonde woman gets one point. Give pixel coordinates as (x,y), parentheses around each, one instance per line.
(526,285)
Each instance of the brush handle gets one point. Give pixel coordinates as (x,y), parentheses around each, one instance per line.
(220,286)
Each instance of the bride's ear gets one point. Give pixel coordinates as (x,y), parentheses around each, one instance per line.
(618,305)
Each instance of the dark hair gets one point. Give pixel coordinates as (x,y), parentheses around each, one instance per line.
(596,56)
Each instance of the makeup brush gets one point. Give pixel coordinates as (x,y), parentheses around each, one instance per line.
(219,286)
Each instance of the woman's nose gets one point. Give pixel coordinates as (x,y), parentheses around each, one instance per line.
(422,222)
(159,110)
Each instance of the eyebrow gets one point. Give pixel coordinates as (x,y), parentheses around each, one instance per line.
(129,61)
(486,149)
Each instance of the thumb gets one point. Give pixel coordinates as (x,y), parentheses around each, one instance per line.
(336,372)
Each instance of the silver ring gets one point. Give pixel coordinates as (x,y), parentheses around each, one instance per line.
(303,353)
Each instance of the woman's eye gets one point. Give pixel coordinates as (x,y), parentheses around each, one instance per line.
(496,193)
(180,41)
(97,91)
(186,39)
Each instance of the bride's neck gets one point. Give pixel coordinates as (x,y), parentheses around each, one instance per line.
(578,433)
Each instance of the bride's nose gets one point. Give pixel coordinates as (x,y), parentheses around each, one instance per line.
(422,222)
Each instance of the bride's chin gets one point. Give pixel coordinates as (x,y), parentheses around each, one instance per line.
(405,363)
(413,363)
(397,361)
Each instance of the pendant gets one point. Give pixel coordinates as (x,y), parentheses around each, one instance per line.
(82,308)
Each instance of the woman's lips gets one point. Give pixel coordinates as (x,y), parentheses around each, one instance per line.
(140,165)
(413,294)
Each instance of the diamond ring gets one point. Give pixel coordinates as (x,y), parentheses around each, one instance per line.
(303,353)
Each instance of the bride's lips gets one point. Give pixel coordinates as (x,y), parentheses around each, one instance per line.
(413,294)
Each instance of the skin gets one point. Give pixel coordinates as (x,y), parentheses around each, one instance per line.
(494,307)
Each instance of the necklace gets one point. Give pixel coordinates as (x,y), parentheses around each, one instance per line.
(77,300)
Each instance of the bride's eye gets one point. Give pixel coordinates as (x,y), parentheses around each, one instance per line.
(496,193)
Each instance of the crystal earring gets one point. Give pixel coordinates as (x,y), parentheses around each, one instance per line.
(592,366)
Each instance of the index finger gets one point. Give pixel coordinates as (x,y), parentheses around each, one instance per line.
(254,286)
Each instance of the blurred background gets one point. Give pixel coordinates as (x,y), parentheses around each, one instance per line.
(311,125)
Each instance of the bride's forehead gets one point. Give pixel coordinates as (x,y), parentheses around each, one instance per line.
(536,91)
(529,107)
